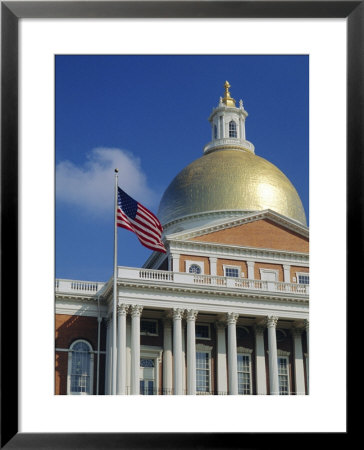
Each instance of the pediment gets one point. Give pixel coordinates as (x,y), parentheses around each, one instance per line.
(265,229)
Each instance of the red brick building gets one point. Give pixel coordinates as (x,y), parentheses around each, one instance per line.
(224,311)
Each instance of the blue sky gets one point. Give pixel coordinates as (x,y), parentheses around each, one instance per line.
(147,115)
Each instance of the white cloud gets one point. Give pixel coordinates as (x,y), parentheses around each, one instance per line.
(91,186)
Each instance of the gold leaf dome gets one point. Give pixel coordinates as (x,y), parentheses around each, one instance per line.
(230,180)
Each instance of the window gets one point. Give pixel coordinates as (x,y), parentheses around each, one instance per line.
(283,379)
(202,371)
(150,359)
(231,271)
(303,278)
(215,132)
(202,331)
(244,374)
(147,377)
(194,268)
(232,129)
(80,368)
(149,327)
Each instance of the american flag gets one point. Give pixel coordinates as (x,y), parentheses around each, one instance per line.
(135,217)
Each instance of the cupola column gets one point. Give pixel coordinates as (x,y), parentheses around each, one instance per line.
(273,356)
(232,353)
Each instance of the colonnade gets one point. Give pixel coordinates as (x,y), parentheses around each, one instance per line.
(173,353)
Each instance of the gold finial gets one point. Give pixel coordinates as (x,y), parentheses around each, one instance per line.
(227,99)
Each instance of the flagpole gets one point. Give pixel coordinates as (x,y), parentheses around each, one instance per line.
(114,354)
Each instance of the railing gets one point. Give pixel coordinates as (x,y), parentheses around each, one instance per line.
(80,287)
(211,280)
(229,141)
(131,273)
(164,391)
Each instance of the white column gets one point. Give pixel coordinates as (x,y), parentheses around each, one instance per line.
(250,265)
(298,361)
(286,273)
(191,351)
(128,355)
(184,377)
(261,375)
(175,262)
(232,353)
(167,357)
(110,359)
(136,311)
(177,351)
(221,359)
(107,356)
(307,325)
(273,357)
(213,265)
(121,368)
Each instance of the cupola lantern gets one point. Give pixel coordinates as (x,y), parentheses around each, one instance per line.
(228,125)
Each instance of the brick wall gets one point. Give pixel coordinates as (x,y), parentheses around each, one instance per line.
(261,234)
(67,330)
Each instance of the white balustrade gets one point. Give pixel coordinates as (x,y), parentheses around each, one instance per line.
(229,141)
(183,278)
(69,286)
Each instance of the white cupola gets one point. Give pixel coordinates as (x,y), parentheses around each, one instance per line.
(228,125)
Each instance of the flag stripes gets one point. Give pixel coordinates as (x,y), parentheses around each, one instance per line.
(133,216)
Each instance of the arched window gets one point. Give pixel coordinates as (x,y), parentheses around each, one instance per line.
(194,268)
(80,368)
(215,132)
(232,129)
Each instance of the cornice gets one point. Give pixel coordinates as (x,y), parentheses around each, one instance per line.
(222,250)
(79,297)
(231,223)
(221,292)
(223,213)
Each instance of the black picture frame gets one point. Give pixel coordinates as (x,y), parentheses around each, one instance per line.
(11,12)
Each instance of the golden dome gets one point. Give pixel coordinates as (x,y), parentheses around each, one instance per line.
(230,180)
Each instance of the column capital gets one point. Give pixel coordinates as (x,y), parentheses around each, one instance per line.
(213,258)
(136,310)
(220,324)
(297,330)
(250,263)
(286,266)
(167,321)
(122,309)
(259,329)
(272,321)
(191,314)
(177,313)
(231,318)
